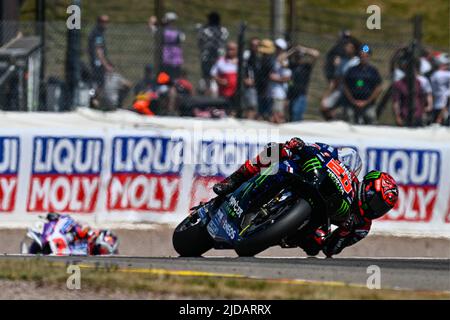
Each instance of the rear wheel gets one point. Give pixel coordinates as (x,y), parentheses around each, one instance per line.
(190,238)
(273,230)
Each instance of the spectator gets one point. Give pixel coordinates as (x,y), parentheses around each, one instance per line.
(428,95)
(249,66)
(147,83)
(263,69)
(349,59)
(144,103)
(171,93)
(225,72)
(440,82)
(399,67)
(182,88)
(166,98)
(362,86)
(399,74)
(145,93)
(337,52)
(153,24)
(182,85)
(333,96)
(302,65)
(163,95)
(97,51)
(400,105)
(280,77)
(399,63)
(172,53)
(115,90)
(250,113)
(212,38)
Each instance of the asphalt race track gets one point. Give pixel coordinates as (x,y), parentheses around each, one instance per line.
(417,274)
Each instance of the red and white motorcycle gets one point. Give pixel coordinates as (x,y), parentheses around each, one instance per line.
(50,237)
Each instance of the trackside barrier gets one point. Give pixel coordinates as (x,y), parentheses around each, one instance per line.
(110,174)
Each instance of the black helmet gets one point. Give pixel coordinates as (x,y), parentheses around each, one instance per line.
(53,216)
(378,194)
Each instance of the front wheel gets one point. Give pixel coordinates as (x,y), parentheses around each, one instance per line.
(34,248)
(191,238)
(285,224)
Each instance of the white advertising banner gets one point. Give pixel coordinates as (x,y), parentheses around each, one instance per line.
(122,174)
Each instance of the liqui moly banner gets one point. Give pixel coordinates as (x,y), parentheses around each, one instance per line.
(145,174)
(125,175)
(215,161)
(417,172)
(9,168)
(65,174)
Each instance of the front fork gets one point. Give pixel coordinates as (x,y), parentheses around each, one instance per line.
(206,210)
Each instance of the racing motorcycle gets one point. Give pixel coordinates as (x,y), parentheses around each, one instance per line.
(45,238)
(271,208)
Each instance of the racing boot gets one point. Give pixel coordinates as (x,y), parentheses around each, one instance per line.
(232,182)
(246,171)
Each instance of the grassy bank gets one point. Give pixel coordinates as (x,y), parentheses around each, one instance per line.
(132,281)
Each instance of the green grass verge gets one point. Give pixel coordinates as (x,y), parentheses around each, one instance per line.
(47,273)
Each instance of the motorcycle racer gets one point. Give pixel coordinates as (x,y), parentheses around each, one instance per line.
(62,235)
(69,228)
(287,150)
(375,196)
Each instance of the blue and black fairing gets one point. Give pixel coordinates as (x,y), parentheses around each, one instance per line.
(224,225)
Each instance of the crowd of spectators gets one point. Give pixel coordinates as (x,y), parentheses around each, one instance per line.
(430,100)
(275,77)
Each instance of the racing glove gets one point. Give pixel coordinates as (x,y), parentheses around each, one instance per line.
(314,242)
(354,229)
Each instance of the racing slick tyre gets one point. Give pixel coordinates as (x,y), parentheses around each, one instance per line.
(190,238)
(285,224)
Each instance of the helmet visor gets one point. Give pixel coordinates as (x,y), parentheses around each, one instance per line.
(378,207)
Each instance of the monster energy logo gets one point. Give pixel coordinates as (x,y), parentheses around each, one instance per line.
(230,211)
(263,176)
(311,164)
(234,204)
(373,175)
(336,182)
(343,208)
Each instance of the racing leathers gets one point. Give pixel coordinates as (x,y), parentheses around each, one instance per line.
(67,226)
(349,231)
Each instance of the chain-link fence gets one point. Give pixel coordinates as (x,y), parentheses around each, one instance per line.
(315,75)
